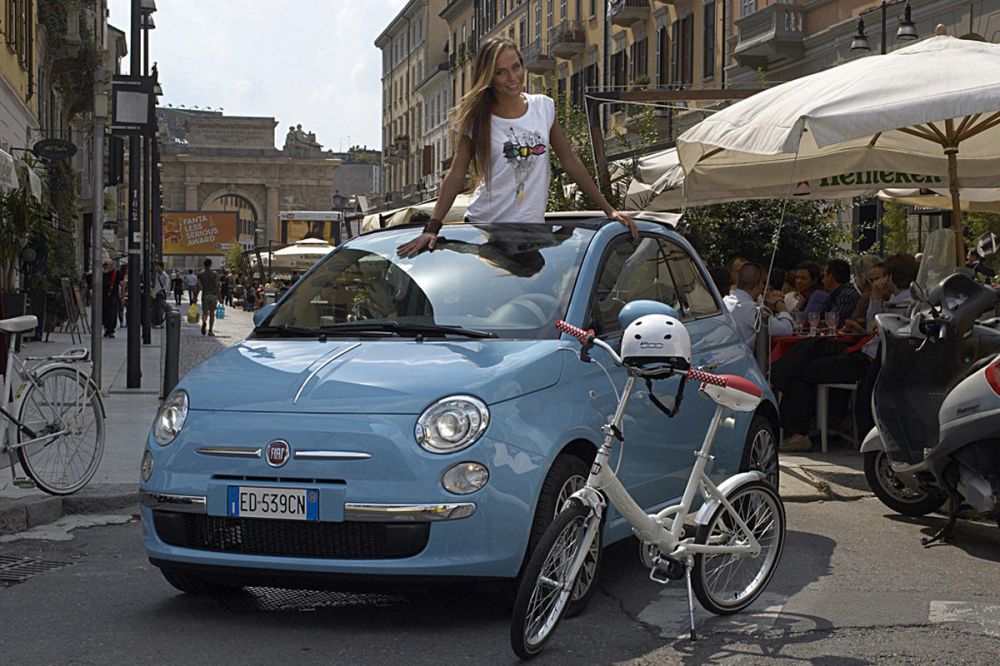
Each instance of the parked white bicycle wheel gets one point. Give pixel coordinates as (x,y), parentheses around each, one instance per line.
(65,402)
(545,590)
(727,583)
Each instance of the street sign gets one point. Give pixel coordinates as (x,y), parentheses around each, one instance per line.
(54,149)
(132,105)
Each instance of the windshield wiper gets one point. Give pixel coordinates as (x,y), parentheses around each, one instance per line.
(408,329)
(291,331)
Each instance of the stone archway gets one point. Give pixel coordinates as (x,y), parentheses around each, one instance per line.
(246,209)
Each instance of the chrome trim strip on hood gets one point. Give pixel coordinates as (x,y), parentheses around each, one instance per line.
(407,513)
(334,357)
(178,503)
(230,451)
(331,455)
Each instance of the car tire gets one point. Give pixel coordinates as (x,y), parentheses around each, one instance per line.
(192,583)
(567,474)
(760,451)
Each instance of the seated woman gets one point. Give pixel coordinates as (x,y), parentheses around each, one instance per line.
(808,284)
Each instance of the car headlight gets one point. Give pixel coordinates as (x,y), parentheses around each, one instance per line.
(451,424)
(171,417)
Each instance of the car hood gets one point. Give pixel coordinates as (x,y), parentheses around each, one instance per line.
(373,377)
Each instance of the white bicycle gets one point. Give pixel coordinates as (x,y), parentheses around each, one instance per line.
(739,532)
(54,417)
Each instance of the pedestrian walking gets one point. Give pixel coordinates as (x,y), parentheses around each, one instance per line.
(122,295)
(161,285)
(191,282)
(110,298)
(225,288)
(506,136)
(178,284)
(250,299)
(207,285)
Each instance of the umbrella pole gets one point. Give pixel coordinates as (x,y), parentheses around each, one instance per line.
(956,206)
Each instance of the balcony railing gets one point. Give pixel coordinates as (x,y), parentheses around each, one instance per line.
(536,60)
(631,11)
(568,39)
(773,33)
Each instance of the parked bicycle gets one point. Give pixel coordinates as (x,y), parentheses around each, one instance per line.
(727,551)
(53,416)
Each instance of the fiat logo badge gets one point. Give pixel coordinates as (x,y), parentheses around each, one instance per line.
(277,453)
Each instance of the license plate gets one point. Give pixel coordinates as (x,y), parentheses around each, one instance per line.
(281,503)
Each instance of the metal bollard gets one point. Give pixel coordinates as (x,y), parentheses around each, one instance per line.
(172,350)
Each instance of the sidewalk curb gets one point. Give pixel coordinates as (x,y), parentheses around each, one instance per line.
(799,485)
(18,515)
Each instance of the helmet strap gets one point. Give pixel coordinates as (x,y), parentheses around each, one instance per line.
(677,398)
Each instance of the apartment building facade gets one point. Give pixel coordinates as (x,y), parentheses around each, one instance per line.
(570,46)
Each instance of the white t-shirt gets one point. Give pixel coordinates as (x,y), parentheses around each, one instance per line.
(519,149)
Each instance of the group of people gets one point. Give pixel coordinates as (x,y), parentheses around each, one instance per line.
(851,296)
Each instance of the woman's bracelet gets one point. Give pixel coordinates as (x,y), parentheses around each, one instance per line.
(433,226)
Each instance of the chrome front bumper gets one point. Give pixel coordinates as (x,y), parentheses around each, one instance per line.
(378,513)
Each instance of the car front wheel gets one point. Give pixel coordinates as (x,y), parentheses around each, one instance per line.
(760,452)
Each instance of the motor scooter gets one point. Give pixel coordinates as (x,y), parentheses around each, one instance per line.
(937,414)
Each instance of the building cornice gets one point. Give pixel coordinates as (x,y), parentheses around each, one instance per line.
(453,8)
(396,23)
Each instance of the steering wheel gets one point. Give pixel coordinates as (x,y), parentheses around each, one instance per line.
(526,309)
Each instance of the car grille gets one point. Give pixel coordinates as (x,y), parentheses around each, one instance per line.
(292,538)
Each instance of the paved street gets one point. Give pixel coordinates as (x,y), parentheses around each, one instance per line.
(853,587)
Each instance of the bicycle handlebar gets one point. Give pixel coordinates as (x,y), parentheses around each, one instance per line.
(587,338)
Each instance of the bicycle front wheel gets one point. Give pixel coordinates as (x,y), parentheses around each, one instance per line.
(726,583)
(546,588)
(62,411)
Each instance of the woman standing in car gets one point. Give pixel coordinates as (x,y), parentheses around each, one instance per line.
(505,136)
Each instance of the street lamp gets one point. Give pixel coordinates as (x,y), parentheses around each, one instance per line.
(906,32)
(146,9)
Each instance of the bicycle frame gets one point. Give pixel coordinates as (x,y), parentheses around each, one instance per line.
(665,529)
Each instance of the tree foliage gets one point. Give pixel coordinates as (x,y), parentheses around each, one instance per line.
(809,231)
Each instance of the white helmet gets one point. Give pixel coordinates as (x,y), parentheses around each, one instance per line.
(657,339)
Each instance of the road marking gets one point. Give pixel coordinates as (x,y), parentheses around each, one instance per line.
(669,613)
(986,615)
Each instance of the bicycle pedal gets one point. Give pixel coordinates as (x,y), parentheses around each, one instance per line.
(658,576)
(667,567)
(24,482)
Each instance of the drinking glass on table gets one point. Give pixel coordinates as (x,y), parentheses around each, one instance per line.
(813,323)
(800,321)
(831,322)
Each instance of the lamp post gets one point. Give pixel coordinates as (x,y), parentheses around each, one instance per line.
(146,9)
(905,33)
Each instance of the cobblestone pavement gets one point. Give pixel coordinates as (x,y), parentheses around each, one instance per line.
(196,347)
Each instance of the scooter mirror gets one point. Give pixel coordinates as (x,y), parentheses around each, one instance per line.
(986,244)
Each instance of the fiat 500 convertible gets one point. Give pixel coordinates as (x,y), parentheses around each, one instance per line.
(421,419)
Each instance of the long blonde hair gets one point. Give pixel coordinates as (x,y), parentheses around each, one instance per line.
(472,114)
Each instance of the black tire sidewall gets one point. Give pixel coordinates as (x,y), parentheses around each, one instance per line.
(758,423)
(697,581)
(530,578)
(915,509)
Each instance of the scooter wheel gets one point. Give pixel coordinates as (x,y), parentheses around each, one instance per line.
(892,492)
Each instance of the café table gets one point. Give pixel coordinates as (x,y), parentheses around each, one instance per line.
(781,344)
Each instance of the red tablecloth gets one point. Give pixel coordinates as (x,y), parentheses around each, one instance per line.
(780,344)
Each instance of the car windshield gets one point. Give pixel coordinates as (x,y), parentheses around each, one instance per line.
(510,281)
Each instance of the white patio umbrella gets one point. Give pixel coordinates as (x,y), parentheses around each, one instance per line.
(980,200)
(925,116)
(405,214)
(659,185)
(301,254)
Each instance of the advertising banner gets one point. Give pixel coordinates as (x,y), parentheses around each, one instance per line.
(198,232)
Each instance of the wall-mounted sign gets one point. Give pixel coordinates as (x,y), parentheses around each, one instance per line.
(198,232)
(54,149)
(132,103)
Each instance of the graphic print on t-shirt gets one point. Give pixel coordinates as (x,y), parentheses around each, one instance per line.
(520,150)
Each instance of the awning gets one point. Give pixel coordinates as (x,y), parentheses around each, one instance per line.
(8,172)
(29,180)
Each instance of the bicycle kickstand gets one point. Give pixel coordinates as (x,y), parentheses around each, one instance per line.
(19,481)
(687,577)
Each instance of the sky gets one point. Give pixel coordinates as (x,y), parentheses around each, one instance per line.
(308,62)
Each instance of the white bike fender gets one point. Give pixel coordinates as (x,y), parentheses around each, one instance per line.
(726,487)
(873,442)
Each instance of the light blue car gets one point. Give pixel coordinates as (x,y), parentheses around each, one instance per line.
(421,419)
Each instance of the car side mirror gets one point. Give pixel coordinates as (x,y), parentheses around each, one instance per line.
(260,315)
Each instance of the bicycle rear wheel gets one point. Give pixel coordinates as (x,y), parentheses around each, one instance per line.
(62,401)
(726,583)
(546,590)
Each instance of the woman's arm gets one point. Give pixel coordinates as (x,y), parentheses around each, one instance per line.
(453,183)
(578,172)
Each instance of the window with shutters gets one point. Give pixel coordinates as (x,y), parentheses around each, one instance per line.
(662,56)
(708,62)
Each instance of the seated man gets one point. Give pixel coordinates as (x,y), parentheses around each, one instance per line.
(798,374)
(843,296)
(742,305)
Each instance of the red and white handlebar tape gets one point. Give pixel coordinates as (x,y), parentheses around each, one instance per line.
(577,333)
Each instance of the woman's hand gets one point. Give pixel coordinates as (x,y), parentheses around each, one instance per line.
(417,245)
(627,221)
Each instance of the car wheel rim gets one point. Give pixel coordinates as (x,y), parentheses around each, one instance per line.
(589,568)
(891,483)
(763,455)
